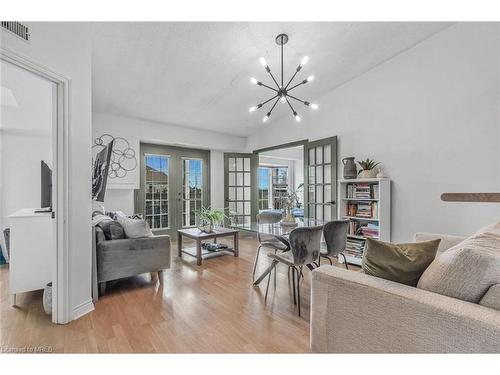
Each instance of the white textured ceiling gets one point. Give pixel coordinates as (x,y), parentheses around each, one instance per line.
(197,74)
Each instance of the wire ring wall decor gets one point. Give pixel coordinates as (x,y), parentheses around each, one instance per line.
(123,158)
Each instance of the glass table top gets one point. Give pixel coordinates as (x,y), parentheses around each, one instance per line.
(277,229)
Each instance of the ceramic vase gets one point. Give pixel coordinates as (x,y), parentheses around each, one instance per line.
(47,299)
(350,169)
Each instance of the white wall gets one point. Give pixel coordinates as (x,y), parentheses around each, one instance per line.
(26,137)
(431,116)
(65,48)
(120,196)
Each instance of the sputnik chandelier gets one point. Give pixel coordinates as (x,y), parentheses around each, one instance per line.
(282,92)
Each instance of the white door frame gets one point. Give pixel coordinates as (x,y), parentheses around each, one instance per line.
(60,288)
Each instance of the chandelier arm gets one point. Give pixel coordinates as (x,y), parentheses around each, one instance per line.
(267,101)
(297,85)
(291,79)
(293,110)
(274,105)
(269,87)
(297,99)
(271,74)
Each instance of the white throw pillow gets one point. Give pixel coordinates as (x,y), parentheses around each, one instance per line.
(134,228)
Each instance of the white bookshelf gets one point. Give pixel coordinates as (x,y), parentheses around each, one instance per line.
(382,219)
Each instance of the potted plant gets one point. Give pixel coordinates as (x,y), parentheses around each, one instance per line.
(367,168)
(289,203)
(208,218)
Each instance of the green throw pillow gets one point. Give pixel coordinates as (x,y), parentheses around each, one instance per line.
(403,263)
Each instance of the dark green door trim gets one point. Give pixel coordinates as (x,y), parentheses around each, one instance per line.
(302,142)
(332,141)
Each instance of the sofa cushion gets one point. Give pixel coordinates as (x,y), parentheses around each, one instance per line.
(403,263)
(492,297)
(467,270)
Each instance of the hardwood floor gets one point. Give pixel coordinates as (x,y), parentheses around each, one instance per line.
(211,308)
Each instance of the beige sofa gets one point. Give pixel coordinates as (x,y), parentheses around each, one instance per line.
(352,312)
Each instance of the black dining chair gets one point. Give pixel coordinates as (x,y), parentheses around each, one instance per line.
(267,240)
(335,233)
(304,251)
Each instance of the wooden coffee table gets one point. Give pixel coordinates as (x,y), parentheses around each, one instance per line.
(199,236)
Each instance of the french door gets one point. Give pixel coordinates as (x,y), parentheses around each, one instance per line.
(240,191)
(174,186)
(320,168)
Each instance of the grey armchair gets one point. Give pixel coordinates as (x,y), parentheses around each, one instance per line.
(335,233)
(267,240)
(304,251)
(121,258)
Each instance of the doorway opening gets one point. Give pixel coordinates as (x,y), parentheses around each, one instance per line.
(34,171)
(281,171)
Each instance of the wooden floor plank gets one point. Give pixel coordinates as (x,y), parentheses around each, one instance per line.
(211,308)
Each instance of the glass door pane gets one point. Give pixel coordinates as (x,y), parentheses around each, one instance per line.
(239,188)
(156,190)
(192,190)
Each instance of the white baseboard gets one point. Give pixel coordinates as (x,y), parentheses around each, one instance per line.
(82,309)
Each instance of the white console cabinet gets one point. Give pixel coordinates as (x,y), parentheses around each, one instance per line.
(32,250)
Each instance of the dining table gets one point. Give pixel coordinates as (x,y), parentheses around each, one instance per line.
(280,230)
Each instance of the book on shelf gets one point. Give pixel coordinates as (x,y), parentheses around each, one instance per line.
(368,210)
(370,230)
(355,247)
(362,191)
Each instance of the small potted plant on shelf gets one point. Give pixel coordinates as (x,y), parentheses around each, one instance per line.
(367,168)
(209,218)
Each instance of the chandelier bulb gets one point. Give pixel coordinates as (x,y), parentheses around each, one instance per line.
(254,80)
(266,117)
(263,62)
(314,106)
(304,61)
(252,109)
(310,78)
(297,118)
(283,99)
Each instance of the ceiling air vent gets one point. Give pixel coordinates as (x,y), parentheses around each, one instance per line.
(17,28)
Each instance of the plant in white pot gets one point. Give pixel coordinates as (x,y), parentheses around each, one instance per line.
(209,218)
(367,168)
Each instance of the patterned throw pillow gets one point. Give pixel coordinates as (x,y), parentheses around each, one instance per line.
(134,228)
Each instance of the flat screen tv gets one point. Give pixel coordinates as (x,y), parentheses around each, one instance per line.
(46,186)
(100,172)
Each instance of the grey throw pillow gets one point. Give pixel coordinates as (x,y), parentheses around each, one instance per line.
(112,230)
(467,270)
